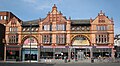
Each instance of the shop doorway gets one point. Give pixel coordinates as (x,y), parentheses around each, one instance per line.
(28,55)
(80,55)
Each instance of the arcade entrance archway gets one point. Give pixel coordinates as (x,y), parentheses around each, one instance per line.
(30,49)
(80,47)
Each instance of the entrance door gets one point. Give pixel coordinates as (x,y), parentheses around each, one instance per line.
(27,55)
(30,57)
(80,55)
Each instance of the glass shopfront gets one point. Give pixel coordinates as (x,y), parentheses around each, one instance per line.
(28,55)
(12,55)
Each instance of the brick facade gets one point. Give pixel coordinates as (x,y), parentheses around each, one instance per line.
(55,33)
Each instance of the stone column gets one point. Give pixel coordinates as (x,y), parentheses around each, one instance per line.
(5,53)
(112,53)
(69,52)
(20,54)
(91,52)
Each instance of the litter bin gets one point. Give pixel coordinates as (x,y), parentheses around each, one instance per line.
(92,60)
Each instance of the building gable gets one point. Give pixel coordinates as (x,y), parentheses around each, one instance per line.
(102,19)
(54,16)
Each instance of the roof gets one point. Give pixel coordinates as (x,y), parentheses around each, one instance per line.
(73,22)
(80,22)
(31,22)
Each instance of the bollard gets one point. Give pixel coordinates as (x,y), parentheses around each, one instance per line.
(92,60)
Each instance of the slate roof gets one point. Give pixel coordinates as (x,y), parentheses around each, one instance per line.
(31,22)
(73,22)
(80,22)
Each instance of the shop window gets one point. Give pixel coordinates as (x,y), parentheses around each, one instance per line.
(12,54)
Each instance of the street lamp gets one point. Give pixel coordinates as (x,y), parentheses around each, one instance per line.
(30,39)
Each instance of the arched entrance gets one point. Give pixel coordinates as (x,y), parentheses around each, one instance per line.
(80,47)
(30,49)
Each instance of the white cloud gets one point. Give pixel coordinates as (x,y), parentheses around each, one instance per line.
(43,6)
(30,1)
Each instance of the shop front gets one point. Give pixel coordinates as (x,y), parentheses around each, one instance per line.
(29,55)
(48,52)
(12,53)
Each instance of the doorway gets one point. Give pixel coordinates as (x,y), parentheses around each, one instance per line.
(28,55)
(80,55)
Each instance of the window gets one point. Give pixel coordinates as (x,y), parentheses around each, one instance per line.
(5,17)
(60,27)
(73,28)
(87,28)
(101,28)
(47,39)
(102,38)
(78,28)
(47,27)
(13,38)
(13,29)
(83,28)
(60,39)
(1,17)
(101,20)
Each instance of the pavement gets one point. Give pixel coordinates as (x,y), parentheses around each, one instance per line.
(52,64)
(60,61)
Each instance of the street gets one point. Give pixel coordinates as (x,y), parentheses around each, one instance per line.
(66,64)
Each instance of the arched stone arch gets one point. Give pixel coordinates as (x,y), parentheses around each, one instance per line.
(26,37)
(80,40)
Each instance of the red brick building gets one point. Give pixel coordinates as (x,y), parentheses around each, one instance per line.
(56,37)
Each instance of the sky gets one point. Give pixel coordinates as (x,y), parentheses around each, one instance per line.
(76,9)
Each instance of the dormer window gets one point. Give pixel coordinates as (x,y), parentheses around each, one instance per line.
(5,17)
(1,17)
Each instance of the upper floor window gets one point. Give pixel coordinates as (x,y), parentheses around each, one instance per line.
(102,38)
(81,28)
(60,27)
(47,39)
(88,28)
(13,38)
(47,27)
(13,29)
(60,39)
(102,28)
(101,20)
(1,17)
(5,17)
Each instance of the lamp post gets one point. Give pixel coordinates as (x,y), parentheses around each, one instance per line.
(30,39)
